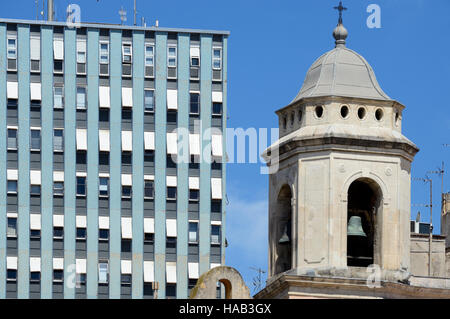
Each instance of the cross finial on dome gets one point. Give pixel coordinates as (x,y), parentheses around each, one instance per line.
(340,8)
(340,33)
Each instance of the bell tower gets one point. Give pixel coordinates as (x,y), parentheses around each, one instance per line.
(339,196)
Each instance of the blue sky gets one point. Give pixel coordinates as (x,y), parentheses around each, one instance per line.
(272,45)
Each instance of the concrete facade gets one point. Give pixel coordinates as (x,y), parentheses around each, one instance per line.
(90,113)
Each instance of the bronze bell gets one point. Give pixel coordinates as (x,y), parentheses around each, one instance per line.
(355,227)
(284,239)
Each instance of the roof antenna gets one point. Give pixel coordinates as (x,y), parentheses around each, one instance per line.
(135,11)
(123,15)
(50,10)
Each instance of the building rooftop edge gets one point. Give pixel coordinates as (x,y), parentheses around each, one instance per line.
(113,26)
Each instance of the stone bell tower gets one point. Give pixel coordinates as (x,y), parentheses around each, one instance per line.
(339,198)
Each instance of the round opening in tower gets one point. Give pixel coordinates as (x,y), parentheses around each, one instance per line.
(361,113)
(364,198)
(379,114)
(344,111)
(319,111)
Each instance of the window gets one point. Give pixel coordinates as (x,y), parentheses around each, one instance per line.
(81,98)
(171,291)
(172,117)
(127,58)
(58,66)
(125,279)
(170,161)
(195,61)
(126,158)
(149,238)
(215,234)
(149,156)
(103,234)
(149,189)
(103,158)
(126,191)
(81,233)
(103,188)
(81,186)
(58,140)
(81,279)
(194,103)
(217,108)
(35,234)
(194,195)
(81,157)
(12,227)
(127,55)
(127,114)
(104,52)
(172,62)
(172,56)
(35,190)
(171,242)
(58,188)
(58,232)
(12,187)
(35,139)
(149,55)
(217,59)
(58,97)
(216,206)
(12,54)
(126,246)
(58,53)
(35,276)
(103,272)
(103,115)
(11,275)
(81,56)
(12,104)
(149,60)
(149,100)
(35,53)
(171,193)
(193,232)
(104,58)
(58,275)
(12,138)
(12,48)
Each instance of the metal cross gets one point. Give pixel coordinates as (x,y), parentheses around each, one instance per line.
(340,8)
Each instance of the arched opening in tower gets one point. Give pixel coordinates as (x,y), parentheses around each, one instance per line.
(283,234)
(363,223)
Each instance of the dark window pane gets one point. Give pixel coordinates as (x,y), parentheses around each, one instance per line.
(217,109)
(81,233)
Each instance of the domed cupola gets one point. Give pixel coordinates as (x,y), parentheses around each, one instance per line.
(341,72)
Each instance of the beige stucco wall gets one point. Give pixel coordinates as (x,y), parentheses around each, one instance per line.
(319,177)
(320,182)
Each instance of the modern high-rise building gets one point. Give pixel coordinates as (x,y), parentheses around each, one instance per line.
(94,202)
